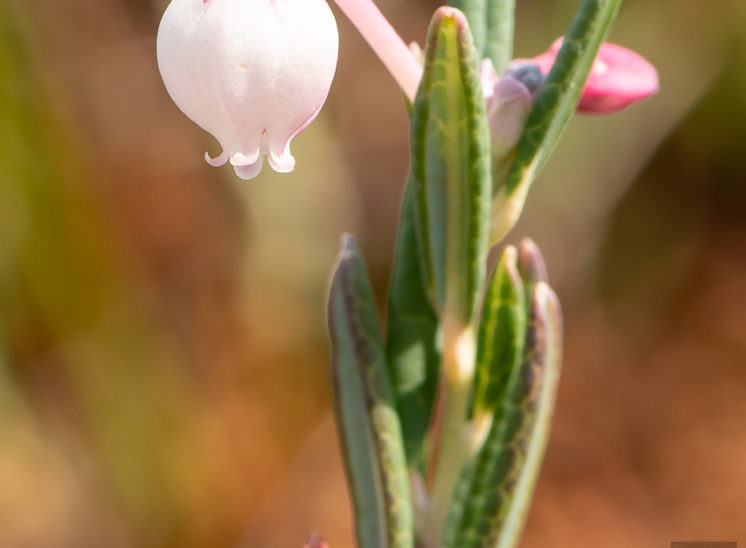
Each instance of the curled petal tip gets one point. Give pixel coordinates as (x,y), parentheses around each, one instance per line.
(248,171)
(247,166)
(245,69)
(281,163)
(218,160)
(241,159)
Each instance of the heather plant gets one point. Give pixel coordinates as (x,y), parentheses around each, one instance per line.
(443,418)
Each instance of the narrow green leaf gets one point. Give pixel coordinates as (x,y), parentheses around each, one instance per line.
(496,487)
(519,288)
(367,421)
(502,331)
(547,361)
(451,168)
(499,40)
(412,352)
(459,500)
(554,106)
(491,23)
(476,12)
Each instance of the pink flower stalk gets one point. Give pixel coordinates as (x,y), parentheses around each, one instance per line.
(400,61)
(618,78)
(253,73)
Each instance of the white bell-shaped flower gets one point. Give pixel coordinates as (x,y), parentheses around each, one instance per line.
(253,73)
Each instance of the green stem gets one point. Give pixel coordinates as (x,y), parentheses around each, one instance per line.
(453,438)
(451,433)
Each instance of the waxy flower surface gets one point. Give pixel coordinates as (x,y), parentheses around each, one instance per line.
(253,73)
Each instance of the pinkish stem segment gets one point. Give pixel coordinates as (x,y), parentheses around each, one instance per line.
(385,42)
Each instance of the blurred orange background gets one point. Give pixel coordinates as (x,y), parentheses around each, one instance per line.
(163,353)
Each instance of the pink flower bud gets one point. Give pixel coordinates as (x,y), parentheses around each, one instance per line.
(315,541)
(509,101)
(253,73)
(618,78)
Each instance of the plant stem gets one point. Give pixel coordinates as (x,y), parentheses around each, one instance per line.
(385,42)
(453,438)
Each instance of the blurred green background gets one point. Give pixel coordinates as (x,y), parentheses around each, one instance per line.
(163,352)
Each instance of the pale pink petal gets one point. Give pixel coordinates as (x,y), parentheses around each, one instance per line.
(253,73)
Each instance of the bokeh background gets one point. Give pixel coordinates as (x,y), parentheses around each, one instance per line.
(163,354)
